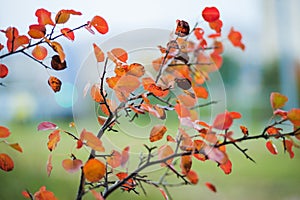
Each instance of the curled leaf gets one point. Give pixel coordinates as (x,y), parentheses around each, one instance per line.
(54,138)
(63,16)
(211,187)
(182,29)
(4,132)
(94,170)
(49,166)
(56,63)
(120,54)
(43,126)
(37,31)
(157,132)
(288,144)
(58,48)
(44,17)
(186,163)
(235,38)
(16,146)
(6,163)
(54,83)
(98,53)
(271,147)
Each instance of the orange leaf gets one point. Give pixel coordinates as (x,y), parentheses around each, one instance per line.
(99,24)
(94,170)
(288,144)
(218,47)
(226,167)
(6,163)
(63,16)
(54,83)
(4,132)
(199,32)
(277,100)
(244,130)
(271,147)
(11,33)
(16,146)
(294,116)
(43,126)
(200,92)
(26,194)
(223,121)
(3,71)
(157,132)
(187,100)
(210,14)
(54,138)
(72,165)
(149,85)
(96,94)
(58,48)
(136,69)
(216,25)
(211,187)
(120,54)
(56,63)
(186,164)
(235,38)
(37,31)
(13,45)
(49,165)
(193,177)
(130,184)
(44,194)
(164,152)
(44,17)
(217,59)
(125,156)
(1,46)
(235,115)
(39,52)
(91,140)
(79,144)
(170,138)
(68,33)
(182,111)
(115,159)
(98,53)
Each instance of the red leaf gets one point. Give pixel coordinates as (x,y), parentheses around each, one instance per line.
(199,32)
(211,187)
(39,52)
(54,138)
(99,24)
(98,53)
(235,38)
(72,165)
(26,194)
(115,159)
(170,138)
(44,194)
(6,163)
(216,25)
(44,17)
(130,184)
(125,156)
(244,130)
(210,14)
(193,177)
(271,147)
(294,116)
(4,132)
(288,147)
(277,100)
(13,45)
(3,71)
(226,167)
(91,141)
(217,59)
(157,132)
(49,165)
(68,33)
(164,152)
(235,115)
(94,170)
(223,121)
(200,92)
(37,31)
(43,126)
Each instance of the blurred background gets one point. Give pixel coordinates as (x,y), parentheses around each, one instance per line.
(271,62)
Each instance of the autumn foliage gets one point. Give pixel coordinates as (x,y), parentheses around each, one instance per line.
(184,66)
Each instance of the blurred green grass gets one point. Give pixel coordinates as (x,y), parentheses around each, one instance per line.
(272,177)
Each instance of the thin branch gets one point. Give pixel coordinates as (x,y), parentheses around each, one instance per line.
(33,58)
(203,105)
(244,152)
